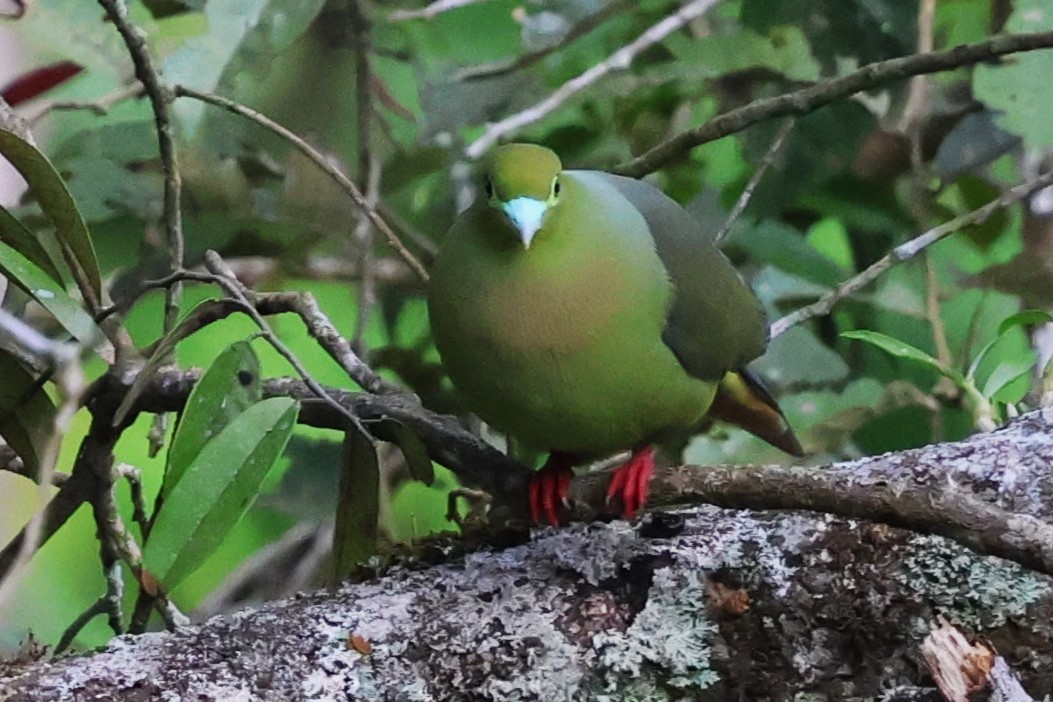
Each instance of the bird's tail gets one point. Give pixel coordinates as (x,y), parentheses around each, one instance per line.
(743,400)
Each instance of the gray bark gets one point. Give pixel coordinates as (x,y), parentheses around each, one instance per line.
(703,603)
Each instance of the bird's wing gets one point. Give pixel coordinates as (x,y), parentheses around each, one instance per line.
(716,323)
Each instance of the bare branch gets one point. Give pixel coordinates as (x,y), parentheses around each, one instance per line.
(99,106)
(618,61)
(321,161)
(586,25)
(225,279)
(907,251)
(801,102)
(160,96)
(429,12)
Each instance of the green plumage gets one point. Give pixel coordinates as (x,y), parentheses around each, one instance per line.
(607,329)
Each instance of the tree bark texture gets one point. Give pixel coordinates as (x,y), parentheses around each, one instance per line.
(700,603)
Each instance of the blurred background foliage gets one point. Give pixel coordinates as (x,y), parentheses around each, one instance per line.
(856,178)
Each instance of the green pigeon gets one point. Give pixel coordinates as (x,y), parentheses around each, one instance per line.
(584,314)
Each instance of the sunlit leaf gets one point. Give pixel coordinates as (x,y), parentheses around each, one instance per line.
(231,385)
(44,289)
(1022,318)
(901,349)
(51,192)
(1006,373)
(216,490)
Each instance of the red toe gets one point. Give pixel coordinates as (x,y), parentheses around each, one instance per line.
(548,490)
(629,482)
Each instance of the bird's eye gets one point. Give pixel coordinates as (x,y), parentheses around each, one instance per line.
(555,188)
(488,188)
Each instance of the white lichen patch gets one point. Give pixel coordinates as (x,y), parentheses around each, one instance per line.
(669,635)
(596,552)
(976,591)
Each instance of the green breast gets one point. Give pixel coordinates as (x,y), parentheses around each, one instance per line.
(561,345)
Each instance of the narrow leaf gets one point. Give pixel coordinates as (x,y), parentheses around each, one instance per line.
(355,532)
(229,387)
(16,234)
(1022,318)
(1004,374)
(50,294)
(27,415)
(55,200)
(216,490)
(901,349)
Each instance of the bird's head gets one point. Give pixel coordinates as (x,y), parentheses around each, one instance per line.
(523,185)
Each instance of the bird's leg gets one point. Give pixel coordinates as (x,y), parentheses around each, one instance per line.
(549,487)
(629,481)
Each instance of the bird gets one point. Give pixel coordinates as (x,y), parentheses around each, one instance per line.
(585,314)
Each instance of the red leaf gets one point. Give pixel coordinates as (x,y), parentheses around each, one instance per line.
(29,85)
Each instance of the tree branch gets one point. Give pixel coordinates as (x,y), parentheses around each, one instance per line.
(618,61)
(705,603)
(160,96)
(907,251)
(801,102)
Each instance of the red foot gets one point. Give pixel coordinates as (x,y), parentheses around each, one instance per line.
(629,481)
(548,489)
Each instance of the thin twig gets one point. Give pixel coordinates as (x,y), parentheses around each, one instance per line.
(429,12)
(160,96)
(301,303)
(369,173)
(367,289)
(135,484)
(907,251)
(108,604)
(801,102)
(321,161)
(99,106)
(619,60)
(755,179)
(240,294)
(583,27)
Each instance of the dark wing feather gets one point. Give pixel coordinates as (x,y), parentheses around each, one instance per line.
(716,323)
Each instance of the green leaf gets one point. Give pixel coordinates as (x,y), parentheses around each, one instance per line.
(217,489)
(229,387)
(1018,88)
(27,415)
(1024,318)
(51,192)
(355,532)
(15,234)
(901,349)
(417,459)
(1005,374)
(51,295)
(161,352)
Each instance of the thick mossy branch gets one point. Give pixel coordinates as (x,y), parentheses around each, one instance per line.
(702,604)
